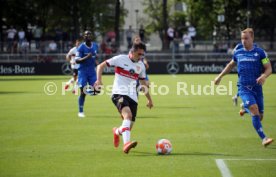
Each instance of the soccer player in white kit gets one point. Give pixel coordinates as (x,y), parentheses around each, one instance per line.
(71,55)
(128,69)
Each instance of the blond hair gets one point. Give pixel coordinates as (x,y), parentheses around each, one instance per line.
(250,31)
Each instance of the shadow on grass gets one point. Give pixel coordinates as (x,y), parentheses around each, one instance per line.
(118,116)
(139,153)
(272,146)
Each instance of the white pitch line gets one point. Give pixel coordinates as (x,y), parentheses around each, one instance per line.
(224,170)
(251,159)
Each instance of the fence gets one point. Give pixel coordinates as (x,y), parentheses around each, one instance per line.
(160,63)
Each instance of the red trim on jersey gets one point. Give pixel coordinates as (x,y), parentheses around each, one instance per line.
(126,73)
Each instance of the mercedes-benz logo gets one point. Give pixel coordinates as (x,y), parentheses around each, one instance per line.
(66,69)
(172,67)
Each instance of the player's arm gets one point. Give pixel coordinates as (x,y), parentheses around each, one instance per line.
(69,55)
(225,71)
(147,94)
(267,71)
(100,69)
(80,60)
(145,61)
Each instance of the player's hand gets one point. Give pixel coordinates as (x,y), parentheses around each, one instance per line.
(261,80)
(89,55)
(150,104)
(98,83)
(217,80)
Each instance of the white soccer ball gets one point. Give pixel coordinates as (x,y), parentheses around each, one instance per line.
(164,147)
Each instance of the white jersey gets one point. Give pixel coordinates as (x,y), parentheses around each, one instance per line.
(72,54)
(127,73)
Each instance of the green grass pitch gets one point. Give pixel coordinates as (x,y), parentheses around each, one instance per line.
(41,135)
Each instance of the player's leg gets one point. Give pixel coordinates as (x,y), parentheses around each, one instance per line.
(127,124)
(235,99)
(75,76)
(260,102)
(81,101)
(256,120)
(91,81)
(243,110)
(71,81)
(251,103)
(128,111)
(82,84)
(244,91)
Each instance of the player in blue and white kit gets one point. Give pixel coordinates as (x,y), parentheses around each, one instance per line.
(253,69)
(86,56)
(71,56)
(235,97)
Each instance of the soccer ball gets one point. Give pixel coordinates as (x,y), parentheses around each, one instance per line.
(164,147)
(92,90)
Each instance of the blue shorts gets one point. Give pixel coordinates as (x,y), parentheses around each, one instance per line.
(252,95)
(85,78)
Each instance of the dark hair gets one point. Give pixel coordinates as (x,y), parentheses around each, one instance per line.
(137,46)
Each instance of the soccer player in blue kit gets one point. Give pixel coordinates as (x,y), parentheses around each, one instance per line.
(86,56)
(254,68)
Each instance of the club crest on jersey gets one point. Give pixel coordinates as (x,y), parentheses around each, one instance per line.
(256,54)
(131,71)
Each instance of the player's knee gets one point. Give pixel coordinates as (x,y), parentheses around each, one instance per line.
(127,116)
(254,110)
(126,113)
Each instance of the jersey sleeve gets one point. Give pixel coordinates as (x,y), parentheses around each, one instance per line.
(238,46)
(263,56)
(234,57)
(71,52)
(113,61)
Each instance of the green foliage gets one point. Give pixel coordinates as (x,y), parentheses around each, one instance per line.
(68,15)
(204,16)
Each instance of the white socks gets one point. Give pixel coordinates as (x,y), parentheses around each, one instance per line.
(124,130)
(70,81)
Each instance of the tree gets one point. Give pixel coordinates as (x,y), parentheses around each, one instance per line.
(204,16)
(72,16)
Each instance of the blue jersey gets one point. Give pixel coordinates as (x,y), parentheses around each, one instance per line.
(84,50)
(250,65)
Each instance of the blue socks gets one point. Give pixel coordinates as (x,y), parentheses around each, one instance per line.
(258,126)
(81,102)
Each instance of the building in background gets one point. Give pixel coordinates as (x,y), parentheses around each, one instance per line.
(135,18)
